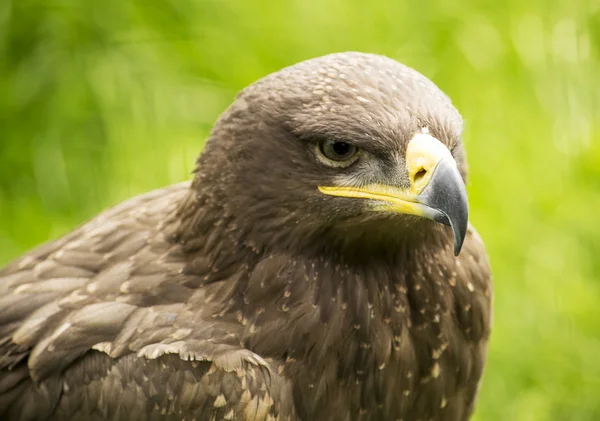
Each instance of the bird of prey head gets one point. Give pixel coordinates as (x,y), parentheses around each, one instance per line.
(352,151)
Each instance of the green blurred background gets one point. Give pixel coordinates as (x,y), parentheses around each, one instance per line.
(101,100)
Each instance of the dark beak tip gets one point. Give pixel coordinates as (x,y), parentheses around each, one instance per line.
(459,225)
(446,197)
(458,242)
(460,232)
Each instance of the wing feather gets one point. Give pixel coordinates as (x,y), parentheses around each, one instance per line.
(97,325)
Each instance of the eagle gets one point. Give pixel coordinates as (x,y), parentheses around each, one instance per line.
(319,266)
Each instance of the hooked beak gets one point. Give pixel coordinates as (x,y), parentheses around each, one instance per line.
(436,192)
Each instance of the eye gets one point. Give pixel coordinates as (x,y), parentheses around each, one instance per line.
(339,154)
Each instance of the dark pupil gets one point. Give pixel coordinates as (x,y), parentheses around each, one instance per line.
(341,148)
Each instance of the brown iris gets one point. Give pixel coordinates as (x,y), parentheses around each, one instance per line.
(339,152)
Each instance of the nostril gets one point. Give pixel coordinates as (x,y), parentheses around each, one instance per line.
(420,174)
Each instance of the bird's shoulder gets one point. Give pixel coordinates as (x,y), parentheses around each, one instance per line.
(97,242)
(111,301)
(80,277)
